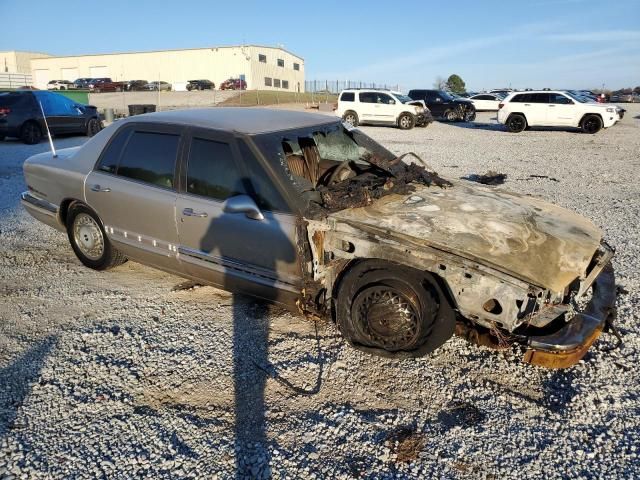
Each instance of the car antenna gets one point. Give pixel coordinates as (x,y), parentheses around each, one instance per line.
(46,124)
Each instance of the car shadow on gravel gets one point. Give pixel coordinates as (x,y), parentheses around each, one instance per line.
(494,127)
(16,379)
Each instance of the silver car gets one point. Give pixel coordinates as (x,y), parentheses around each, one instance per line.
(303,210)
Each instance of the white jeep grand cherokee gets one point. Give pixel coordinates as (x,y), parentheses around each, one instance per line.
(554,108)
(358,106)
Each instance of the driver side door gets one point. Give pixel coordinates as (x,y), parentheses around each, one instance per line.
(234,230)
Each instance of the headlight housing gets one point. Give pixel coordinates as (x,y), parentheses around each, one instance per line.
(611,110)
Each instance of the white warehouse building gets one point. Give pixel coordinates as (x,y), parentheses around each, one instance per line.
(262,68)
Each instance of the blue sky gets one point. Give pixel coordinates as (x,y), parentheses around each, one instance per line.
(490,43)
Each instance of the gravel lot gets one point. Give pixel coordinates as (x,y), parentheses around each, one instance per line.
(119,375)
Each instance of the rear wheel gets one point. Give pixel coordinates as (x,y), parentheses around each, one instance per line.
(450,116)
(390,310)
(516,123)
(93,127)
(31,133)
(406,121)
(88,240)
(351,118)
(591,124)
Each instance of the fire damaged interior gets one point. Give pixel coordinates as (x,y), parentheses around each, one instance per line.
(400,258)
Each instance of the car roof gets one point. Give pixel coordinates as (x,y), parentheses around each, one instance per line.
(246,120)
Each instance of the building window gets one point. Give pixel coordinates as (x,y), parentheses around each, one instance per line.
(296,66)
(267,82)
(280,62)
(285,84)
(262,58)
(276,82)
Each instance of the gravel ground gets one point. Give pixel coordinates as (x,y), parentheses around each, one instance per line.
(119,374)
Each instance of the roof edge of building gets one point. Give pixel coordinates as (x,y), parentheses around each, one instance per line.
(160,51)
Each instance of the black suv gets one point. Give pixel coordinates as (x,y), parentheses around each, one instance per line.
(21,115)
(200,85)
(444,105)
(135,85)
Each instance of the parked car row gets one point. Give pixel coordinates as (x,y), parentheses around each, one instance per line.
(517,110)
(106,84)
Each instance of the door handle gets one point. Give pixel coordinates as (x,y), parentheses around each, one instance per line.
(97,188)
(527,104)
(552,105)
(188,212)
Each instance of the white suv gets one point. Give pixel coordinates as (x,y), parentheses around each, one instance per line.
(554,108)
(358,106)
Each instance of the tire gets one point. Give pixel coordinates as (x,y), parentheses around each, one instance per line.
(88,240)
(450,116)
(406,121)
(591,124)
(31,133)
(393,311)
(516,123)
(351,118)
(62,88)
(93,127)
(470,116)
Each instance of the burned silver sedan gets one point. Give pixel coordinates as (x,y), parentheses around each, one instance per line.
(301,210)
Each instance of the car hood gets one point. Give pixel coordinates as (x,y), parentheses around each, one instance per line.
(523,236)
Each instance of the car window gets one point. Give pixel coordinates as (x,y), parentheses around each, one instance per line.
(431,96)
(367,97)
(522,98)
(212,170)
(150,157)
(385,99)
(484,97)
(559,99)
(347,97)
(111,154)
(540,98)
(260,187)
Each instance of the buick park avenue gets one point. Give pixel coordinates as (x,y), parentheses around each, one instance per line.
(307,212)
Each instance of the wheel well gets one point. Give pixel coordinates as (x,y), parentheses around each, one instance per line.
(337,284)
(516,113)
(64,208)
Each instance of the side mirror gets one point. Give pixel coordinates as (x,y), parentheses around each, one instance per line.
(243,204)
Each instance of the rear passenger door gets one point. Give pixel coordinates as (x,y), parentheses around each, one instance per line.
(232,249)
(367,110)
(133,190)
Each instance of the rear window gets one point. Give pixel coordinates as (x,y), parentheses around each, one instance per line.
(150,157)
(348,97)
(109,160)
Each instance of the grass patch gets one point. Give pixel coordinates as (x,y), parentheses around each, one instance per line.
(272,97)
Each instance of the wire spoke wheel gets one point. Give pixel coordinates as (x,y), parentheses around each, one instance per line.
(87,236)
(387,317)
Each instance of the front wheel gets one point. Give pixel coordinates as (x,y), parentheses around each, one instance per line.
(470,116)
(88,240)
(516,123)
(390,310)
(591,124)
(406,121)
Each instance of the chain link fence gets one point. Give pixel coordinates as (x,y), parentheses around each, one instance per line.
(336,86)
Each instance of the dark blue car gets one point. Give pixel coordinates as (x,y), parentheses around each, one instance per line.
(21,116)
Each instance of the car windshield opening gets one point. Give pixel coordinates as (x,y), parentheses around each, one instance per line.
(335,167)
(404,98)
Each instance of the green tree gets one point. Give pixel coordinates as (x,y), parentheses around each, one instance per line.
(455,84)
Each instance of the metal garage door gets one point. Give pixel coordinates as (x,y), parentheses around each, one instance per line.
(98,72)
(41,78)
(69,74)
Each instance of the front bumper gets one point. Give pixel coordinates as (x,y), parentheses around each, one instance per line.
(569,344)
(424,119)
